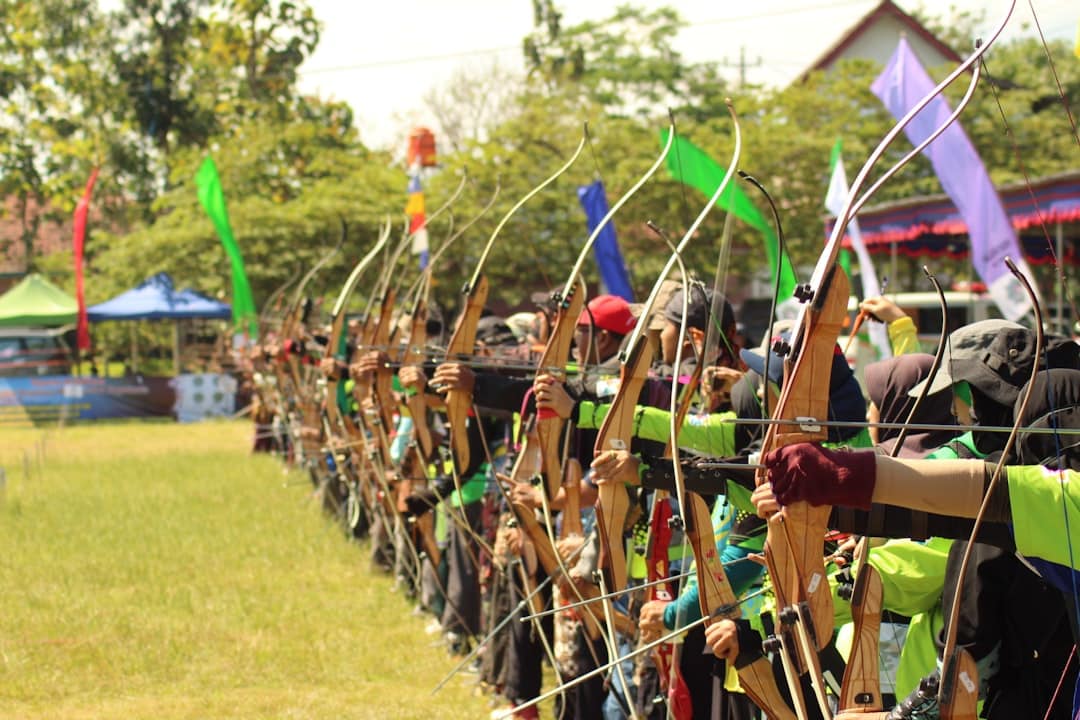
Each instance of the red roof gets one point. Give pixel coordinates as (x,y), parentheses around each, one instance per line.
(886,9)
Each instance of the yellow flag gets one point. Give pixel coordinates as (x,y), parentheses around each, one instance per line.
(1076,48)
(415,204)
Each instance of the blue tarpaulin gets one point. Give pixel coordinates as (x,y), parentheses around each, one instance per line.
(157,299)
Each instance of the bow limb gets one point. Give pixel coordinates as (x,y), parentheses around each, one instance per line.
(298,294)
(450,200)
(422,283)
(976,74)
(828,257)
(335,349)
(337,316)
(272,306)
(957,681)
(463,341)
(570,303)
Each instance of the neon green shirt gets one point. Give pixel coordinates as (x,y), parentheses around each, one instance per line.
(1045,513)
(711,434)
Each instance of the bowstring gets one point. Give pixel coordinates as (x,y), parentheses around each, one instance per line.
(1062,284)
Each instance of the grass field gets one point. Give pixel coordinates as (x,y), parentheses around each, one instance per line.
(160,571)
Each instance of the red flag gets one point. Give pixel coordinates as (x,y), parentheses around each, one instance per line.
(78,238)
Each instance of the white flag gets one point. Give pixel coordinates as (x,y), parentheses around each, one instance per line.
(835,199)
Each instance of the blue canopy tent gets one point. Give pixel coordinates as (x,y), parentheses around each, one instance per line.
(157,299)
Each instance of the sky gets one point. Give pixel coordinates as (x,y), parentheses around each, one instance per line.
(383,58)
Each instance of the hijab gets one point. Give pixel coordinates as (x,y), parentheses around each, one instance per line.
(1055,403)
(888,383)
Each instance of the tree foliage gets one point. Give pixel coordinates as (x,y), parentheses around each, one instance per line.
(148,90)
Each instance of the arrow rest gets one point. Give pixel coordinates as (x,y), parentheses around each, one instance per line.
(804,293)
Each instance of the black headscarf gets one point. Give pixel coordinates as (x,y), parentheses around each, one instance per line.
(747,406)
(888,383)
(1055,403)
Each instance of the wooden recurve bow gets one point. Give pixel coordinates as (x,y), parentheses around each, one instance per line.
(413,352)
(794,548)
(335,346)
(716,597)
(860,690)
(617,429)
(569,303)
(382,383)
(463,341)
(958,692)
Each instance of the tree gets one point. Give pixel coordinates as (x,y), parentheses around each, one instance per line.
(288,187)
(626,63)
(471,103)
(47,55)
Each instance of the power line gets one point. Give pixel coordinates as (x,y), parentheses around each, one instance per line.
(506,48)
(418,59)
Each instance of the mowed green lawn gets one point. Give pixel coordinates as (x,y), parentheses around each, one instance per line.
(161,571)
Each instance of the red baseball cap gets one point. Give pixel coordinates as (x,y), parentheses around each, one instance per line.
(609,312)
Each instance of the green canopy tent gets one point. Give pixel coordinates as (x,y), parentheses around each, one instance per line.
(35,301)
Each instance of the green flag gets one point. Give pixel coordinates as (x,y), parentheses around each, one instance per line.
(212,198)
(689,164)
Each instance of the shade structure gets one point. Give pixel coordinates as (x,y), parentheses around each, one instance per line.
(35,301)
(156,299)
(931,226)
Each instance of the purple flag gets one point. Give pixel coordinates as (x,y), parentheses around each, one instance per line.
(904,83)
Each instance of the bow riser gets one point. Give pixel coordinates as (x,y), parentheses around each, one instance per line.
(616,433)
(801,570)
(462,343)
(414,355)
(861,687)
(383,383)
(571,524)
(549,426)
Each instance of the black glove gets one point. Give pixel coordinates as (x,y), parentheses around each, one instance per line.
(420,501)
(444,485)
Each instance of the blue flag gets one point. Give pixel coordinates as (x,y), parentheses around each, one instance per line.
(606,248)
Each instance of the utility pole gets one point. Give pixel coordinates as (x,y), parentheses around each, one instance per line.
(742,65)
